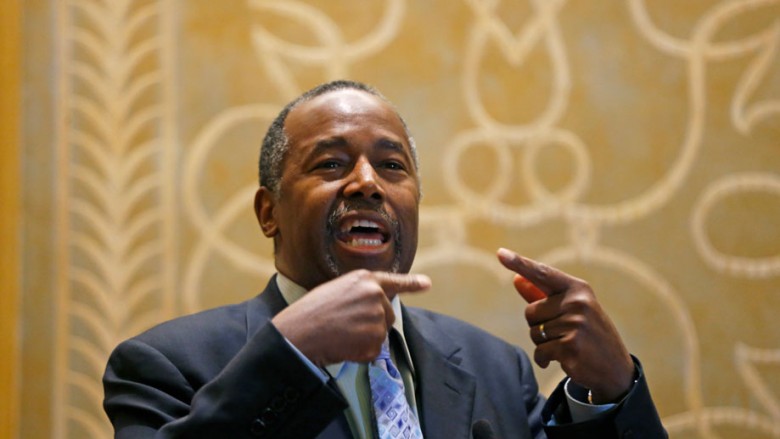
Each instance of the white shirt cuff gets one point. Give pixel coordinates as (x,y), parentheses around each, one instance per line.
(582,411)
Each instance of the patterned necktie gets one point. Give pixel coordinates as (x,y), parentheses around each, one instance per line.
(394,417)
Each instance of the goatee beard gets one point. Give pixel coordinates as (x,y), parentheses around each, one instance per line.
(350,206)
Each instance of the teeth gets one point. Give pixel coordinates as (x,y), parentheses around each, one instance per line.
(365,242)
(359,223)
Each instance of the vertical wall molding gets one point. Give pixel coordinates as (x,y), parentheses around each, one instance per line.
(116,155)
(10,214)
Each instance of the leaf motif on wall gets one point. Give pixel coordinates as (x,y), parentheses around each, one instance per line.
(114,226)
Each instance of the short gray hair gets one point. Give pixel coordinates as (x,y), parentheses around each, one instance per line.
(275,143)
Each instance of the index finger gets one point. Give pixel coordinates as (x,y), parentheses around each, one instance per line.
(548,279)
(394,283)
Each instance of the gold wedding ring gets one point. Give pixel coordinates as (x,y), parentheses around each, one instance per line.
(541,331)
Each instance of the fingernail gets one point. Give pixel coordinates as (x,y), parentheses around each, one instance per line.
(424,280)
(506,254)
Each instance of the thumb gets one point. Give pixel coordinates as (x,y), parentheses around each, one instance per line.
(530,292)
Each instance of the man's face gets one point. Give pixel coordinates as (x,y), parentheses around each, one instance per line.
(349,193)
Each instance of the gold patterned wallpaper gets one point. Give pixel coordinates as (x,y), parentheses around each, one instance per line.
(634,143)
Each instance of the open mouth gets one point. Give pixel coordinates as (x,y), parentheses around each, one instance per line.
(363,233)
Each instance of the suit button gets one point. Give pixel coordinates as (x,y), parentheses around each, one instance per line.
(628,434)
(278,404)
(257,428)
(268,417)
(291,394)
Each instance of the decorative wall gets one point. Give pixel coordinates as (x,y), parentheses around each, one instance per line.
(633,143)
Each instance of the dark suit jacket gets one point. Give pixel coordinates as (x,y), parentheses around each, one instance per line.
(228,373)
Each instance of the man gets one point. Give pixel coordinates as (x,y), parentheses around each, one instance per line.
(339,194)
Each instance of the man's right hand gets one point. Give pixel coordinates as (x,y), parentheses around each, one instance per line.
(348,318)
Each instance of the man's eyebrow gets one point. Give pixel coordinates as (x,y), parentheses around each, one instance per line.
(340,142)
(392,145)
(329,143)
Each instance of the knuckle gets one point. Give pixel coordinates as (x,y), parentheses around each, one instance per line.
(376,313)
(376,292)
(532,335)
(543,270)
(529,314)
(577,321)
(583,289)
(362,273)
(580,301)
(580,284)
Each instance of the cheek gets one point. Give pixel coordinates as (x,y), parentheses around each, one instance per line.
(311,212)
(408,213)
(412,202)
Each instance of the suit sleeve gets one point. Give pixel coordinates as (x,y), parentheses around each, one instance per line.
(265,391)
(533,400)
(635,416)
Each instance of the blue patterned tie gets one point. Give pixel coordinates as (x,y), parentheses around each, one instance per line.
(394,417)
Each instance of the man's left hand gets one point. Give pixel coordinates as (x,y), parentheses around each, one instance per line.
(568,325)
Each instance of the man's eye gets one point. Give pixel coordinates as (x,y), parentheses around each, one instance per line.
(329,164)
(396,166)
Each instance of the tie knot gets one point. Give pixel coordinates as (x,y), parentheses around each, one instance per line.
(384,353)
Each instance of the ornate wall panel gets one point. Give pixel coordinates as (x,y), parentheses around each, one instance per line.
(115,199)
(633,143)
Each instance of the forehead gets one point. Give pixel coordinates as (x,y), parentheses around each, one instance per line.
(344,112)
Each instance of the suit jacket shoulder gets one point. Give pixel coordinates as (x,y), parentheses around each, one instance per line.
(225,372)
(217,334)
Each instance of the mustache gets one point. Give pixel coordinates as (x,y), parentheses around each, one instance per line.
(358,205)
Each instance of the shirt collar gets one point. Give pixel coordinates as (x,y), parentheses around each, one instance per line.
(291,292)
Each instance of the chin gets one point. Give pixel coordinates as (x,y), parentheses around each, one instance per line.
(374,266)
(371,264)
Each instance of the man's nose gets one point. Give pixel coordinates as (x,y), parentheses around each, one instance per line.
(364,182)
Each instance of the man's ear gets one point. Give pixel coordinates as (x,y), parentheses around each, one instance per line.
(265,202)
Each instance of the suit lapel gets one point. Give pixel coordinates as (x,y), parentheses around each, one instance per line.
(263,307)
(260,310)
(445,391)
